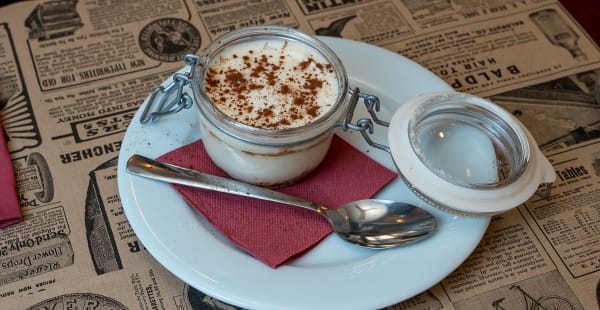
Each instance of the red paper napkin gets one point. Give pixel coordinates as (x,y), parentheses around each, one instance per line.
(276,233)
(10,211)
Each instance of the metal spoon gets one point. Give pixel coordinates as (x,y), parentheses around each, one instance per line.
(369,223)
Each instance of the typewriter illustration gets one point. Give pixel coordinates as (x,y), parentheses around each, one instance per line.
(52,19)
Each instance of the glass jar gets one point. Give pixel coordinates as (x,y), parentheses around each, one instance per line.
(262,155)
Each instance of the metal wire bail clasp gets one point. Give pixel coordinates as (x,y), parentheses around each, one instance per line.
(364,125)
(158,104)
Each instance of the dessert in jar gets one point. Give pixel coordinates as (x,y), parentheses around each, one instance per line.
(269,99)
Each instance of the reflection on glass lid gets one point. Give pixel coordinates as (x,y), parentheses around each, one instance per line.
(468,144)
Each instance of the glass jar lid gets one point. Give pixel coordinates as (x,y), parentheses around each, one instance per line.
(467,142)
(465,154)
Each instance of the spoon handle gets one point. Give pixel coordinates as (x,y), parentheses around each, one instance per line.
(153,169)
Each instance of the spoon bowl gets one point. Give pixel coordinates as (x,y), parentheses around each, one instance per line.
(371,223)
(381,224)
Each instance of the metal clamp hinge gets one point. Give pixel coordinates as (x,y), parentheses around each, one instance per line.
(159,105)
(364,125)
(544,190)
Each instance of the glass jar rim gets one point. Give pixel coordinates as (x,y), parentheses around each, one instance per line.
(459,199)
(480,122)
(264,136)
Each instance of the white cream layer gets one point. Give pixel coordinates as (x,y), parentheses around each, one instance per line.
(272,84)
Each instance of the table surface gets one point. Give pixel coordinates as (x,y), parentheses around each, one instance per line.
(73,73)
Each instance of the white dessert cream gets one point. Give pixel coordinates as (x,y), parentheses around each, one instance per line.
(272,84)
(275,86)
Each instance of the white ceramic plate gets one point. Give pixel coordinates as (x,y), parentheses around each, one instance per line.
(335,274)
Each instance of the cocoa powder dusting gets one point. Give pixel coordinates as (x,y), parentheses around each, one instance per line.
(313,111)
(288,94)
